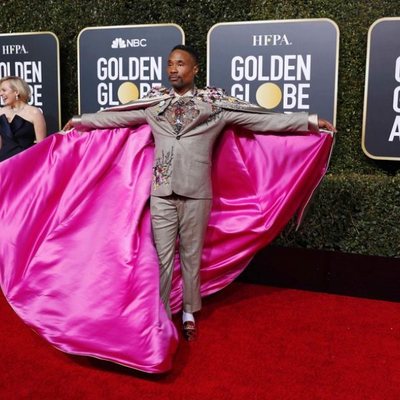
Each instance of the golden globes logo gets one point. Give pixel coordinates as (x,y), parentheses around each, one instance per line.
(31,72)
(286,80)
(111,71)
(396,104)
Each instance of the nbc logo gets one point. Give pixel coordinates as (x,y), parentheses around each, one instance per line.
(119,43)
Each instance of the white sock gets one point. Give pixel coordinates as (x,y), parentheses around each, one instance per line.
(186,316)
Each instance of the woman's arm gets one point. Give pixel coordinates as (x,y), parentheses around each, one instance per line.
(39,124)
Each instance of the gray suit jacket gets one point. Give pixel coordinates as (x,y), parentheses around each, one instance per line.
(183,154)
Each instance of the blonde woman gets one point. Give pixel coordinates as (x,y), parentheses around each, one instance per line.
(21,125)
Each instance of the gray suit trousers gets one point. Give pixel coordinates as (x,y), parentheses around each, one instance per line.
(178,216)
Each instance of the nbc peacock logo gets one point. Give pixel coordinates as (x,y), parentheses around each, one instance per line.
(119,43)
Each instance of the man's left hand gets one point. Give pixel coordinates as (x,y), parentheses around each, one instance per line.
(324,124)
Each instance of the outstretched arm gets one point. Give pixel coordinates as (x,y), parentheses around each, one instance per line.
(112,119)
(276,122)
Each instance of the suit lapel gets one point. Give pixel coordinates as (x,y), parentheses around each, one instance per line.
(163,105)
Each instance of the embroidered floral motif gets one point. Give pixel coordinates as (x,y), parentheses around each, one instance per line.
(162,169)
(178,117)
(181,113)
(214,112)
(211,94)
(218,97)
(157,91)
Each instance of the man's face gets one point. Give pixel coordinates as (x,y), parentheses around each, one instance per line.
(181,70)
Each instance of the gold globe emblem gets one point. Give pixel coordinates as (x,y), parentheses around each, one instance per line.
(127,92)
(269,95)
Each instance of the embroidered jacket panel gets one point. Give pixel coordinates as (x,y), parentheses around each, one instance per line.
(185,130)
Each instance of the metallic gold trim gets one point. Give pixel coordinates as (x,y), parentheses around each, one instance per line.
(113,27)
(284,21)
(58,64)
(364,149)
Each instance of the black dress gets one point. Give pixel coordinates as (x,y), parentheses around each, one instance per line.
(16,136)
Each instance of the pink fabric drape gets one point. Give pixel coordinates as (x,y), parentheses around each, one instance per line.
(77,261)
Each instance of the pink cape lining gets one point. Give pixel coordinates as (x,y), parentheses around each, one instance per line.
(77,261)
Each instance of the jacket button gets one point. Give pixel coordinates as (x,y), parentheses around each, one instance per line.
(178,138)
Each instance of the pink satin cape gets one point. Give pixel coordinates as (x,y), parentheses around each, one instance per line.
(77,261)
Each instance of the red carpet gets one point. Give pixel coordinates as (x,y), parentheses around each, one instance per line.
(255,342)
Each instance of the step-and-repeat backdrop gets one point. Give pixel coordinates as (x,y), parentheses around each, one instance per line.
(284,66)
(34,57)
(381,122)
(118,64)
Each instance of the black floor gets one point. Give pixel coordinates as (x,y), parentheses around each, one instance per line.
(326,271)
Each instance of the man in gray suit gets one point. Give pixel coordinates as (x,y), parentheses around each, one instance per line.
(185,122)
